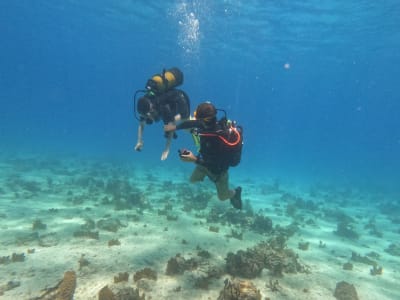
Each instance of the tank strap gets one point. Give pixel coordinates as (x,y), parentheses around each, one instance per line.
(232,144)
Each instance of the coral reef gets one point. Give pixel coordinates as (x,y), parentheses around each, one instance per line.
(9,286)
(203,253)
(273,285)
(18,257)
(390,208)
(348,266)
(114,242)
(346,229)
(110,224)
(38,225)
(239,290)
(345,291)
(251,262)
(199,268)
(120,291)
(196,202)
(48,240)
(121,277)
(178,264)
(376,270)
(64,290)
(213,229)
(303,245)
(393,249)
(261,224)
(244,264)
(373,230)
(235,234)
(362,259)
(5,260)
(145,273)
(87,234)
(26,239)
(204,274)
(83,262)
(67,286)
(243,220)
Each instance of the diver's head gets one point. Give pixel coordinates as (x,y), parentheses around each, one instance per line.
(145,107)
(207,113)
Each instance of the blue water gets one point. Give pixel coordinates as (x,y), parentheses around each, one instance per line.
(314,83)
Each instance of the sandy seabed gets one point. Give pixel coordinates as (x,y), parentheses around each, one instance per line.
(100,218)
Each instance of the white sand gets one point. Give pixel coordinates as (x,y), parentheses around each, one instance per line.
(153,240)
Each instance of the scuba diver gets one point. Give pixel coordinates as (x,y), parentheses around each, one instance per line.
(220,147)
(161,101)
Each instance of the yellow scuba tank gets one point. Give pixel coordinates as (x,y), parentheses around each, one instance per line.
(165,81)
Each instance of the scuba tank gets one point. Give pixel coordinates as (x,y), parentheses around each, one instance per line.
(165,81)
(158,84)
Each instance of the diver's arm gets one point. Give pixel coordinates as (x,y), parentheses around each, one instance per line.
(139,144)
(188,124)
(164,154)
(189,156)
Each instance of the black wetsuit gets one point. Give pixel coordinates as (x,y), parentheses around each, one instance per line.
(170,104)
(212,153)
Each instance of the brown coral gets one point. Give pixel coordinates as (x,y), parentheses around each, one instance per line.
(120,292)
(145,273)
(251,262)
(64,290)
(345,291)
(121,277)
(178,264)
(67,286)
(239,290)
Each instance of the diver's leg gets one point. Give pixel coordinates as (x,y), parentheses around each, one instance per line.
(199,173)
(222,184)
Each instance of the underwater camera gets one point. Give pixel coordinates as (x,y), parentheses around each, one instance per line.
(182,152)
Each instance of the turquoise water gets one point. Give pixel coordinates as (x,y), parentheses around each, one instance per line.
(314,84)
(69,71)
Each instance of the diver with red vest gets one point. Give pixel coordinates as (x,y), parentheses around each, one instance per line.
(161,100)
(220,147)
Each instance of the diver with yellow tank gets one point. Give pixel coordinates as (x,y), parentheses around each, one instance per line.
(161,100)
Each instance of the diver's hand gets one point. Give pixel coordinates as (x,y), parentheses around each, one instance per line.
(139,146)
(169,127)
(164,155)
(188,156)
